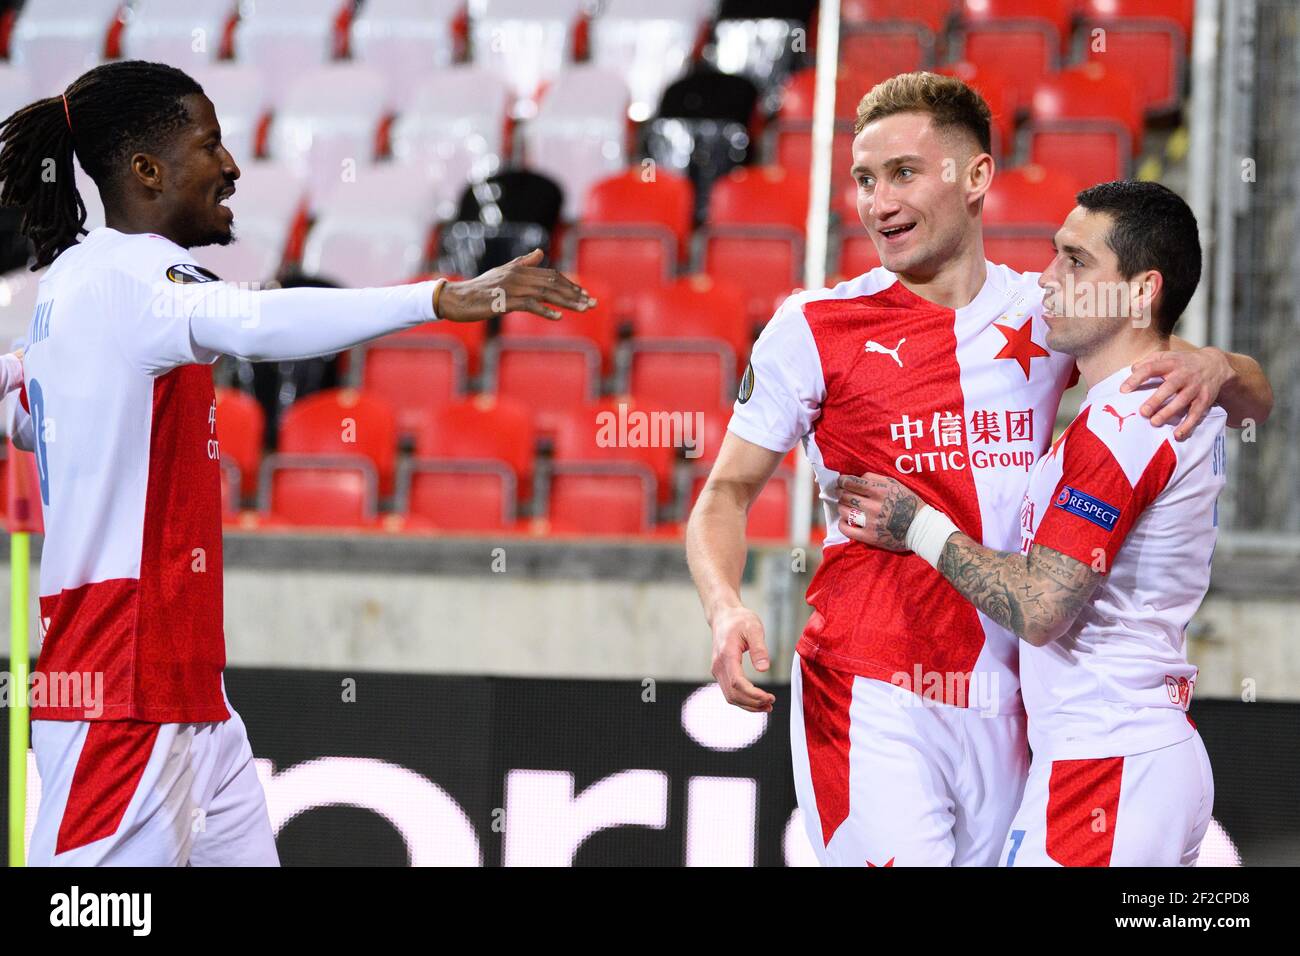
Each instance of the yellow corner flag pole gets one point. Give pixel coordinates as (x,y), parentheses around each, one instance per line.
(19,554)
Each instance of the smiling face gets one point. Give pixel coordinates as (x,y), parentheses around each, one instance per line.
(918,190)
(198,177)
(1087,299)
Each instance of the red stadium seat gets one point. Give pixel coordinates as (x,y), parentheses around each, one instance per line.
(241,426)
(883,49)
(616,498)
(319,490)
(621,432)
(482,428)
(689,339)
(793,127)
(596,327)
(417,371)
(343,423)
(1019,40)
(933,15)
(1022,212)
(1146,41)
(1030,195)
(458,496)
(755,233)
(1088,121)
(633,230)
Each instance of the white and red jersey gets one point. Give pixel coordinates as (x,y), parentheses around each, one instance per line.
(1142,509)
(955,404)
(123,419)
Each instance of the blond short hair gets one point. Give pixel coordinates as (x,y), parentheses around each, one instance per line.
(950,102)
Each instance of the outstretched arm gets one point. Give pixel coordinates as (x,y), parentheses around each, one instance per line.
(1035,596)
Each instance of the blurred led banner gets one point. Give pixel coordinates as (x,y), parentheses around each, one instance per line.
(393,769)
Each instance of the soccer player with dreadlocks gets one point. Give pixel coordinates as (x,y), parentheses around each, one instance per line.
(142,759)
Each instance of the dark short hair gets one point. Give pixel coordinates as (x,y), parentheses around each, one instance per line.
(1153,229)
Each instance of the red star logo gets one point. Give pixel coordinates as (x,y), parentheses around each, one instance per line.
(1020,345)
(889,862)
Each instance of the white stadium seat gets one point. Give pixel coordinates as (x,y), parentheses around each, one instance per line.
(183,35)
(55,39)
(529,42)
(649,45)
(372,231)
(16,89)
(579,134)
(326,125)
(454,130)
(285,38)
(405,40)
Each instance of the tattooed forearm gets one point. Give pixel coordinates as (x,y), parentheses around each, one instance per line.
(1035,597)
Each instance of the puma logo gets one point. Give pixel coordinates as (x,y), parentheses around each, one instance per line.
(1118,417)
(877,347)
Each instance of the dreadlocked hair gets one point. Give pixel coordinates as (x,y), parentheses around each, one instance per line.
(112,112)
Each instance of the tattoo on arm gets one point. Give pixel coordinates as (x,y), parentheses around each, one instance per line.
(1034,597)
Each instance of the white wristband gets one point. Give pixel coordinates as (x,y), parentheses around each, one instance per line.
(929,532)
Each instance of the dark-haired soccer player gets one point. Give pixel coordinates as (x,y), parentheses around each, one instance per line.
(157,770)
(1118,525)
(907,730)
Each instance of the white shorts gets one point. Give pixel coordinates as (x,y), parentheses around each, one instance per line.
(1148,809)
(884,778)
(129,793)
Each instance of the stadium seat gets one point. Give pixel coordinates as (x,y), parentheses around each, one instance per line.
(615,498)
(16,89)
(649,47)
(187,35)
(55,41)
(553,365)
(883,49)
(1087,120)
(474,463)
(454,130)
(319,490)
(243,101)
(247,259)
(529,42)
(578,136)
(419,371)
(328,122)
(1146,41)
(1023,209)
(286,39)
(1019,40)
(241,426)
(343,422)
(634,230)
(704,126)
(373,231)
(754,235)
(792,131)
(690,338)
(405,40)
(504,216)
(620,432)
(933,15)
(458,495)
